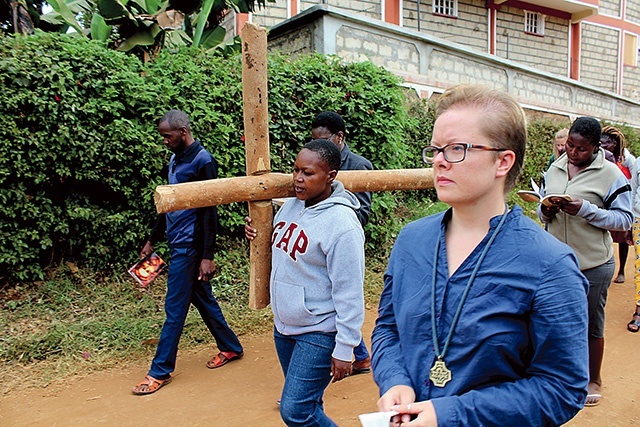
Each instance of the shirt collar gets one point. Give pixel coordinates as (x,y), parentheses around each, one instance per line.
(190,153)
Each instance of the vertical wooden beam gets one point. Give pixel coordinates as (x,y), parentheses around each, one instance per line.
(256,133)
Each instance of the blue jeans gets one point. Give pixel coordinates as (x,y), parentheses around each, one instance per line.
(306,364)
(184,289)
(360,351)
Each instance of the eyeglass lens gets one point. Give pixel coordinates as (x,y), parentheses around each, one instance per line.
(453,153)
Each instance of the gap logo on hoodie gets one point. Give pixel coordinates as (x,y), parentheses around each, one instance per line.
(289,239)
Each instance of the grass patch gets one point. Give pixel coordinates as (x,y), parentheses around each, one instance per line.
(78,320)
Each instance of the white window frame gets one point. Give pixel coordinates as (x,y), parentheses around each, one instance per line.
(445,8)
(534,23)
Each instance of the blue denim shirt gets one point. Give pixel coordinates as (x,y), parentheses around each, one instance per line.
(190,228)
(519,351)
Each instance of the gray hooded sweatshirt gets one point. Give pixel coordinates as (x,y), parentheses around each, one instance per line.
(317,269)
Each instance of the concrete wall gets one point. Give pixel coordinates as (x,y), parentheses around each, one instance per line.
(270,15)
(470,28)
(368,8)
(430,64)
(548,53)
(633,11)
(610,7)
(631,86)
(599,56)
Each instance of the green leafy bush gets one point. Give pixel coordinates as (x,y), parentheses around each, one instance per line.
(76,152)
(80,156)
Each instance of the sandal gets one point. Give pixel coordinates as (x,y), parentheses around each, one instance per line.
(149,385)
(634,325)
(593,399)
(223,358)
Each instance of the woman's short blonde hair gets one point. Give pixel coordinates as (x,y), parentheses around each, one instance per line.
(561,134)
(505,124)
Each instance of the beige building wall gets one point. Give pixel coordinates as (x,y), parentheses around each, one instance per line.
(275,13)
(470,28)
(599,56)
(368,8)
(631,82)
(270,15)
(548,53)
(599,61)
(609,7)
(632,12)
(429,64)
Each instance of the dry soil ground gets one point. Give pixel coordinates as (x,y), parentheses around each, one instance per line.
(243,393)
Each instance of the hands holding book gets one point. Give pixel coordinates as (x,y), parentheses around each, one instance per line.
(551,204)
(569,207)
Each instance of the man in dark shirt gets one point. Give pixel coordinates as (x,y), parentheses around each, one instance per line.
(330,125)
(192,237)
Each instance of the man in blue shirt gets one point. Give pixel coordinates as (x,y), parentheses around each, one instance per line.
(192,236)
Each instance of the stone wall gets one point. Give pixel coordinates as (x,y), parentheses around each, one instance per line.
(631,86)
(548,52)
(430,64)
(469,28)
(599,56)
(609,7)
(270,15)
(633,11)
(368,8)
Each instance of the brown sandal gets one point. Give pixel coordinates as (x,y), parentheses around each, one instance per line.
(223,358)
(149,385)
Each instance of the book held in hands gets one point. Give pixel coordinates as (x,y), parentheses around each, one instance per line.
(549,200)
(147,269)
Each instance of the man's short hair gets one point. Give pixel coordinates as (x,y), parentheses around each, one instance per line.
(176,119)
(330,120)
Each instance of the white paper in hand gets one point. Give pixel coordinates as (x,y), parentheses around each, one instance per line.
(377,419)
(535,186)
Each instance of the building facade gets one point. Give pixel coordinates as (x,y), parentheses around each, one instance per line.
(573,57)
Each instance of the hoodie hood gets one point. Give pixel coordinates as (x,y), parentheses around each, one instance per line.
(339,196)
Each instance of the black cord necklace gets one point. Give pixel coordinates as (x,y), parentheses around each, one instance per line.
(439,374)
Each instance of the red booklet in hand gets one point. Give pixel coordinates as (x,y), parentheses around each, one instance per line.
(147,269)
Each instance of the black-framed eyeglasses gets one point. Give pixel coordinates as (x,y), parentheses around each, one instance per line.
(455,152)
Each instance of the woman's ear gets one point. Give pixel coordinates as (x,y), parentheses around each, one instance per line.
(331,176)
(506,159)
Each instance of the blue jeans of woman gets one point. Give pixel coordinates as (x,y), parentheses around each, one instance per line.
(184,289)
(360,351)
(306,364)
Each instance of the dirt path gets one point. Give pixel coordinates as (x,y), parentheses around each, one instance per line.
(244,392)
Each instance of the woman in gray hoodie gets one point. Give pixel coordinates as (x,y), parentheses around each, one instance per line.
(317,273)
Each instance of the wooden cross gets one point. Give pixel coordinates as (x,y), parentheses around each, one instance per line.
(260,185)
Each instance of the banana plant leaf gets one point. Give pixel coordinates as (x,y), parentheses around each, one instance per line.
(146,37)
(213,38)
(114,12)
(201,20)
(66,13)
(99,29)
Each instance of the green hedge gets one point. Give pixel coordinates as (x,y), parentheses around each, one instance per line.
(80,156)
